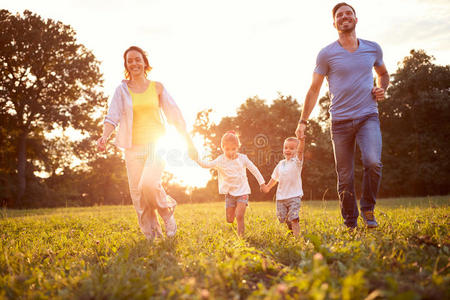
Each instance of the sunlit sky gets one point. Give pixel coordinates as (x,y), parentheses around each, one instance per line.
(216,54)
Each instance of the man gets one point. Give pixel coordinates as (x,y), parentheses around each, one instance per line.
(347,63)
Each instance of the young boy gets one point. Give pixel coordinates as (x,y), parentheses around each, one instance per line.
(288,175)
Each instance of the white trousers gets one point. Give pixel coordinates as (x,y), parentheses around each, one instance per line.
(144,169)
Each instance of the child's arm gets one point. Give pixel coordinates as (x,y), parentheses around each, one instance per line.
(254,170)
(273,180)
(267,187)
(301,149)
(208,163)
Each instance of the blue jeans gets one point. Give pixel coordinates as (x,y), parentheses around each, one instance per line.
(345,135)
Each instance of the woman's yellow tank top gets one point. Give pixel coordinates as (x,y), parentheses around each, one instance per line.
(148,124)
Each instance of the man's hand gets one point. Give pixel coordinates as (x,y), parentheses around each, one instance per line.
(378,93)
(300,131)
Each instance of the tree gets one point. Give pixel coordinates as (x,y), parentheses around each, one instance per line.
(48,81)
(416,128)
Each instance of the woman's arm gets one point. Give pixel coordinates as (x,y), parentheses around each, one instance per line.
(112,119)
(175,117)
(170,109)
(115,108)
(101,142)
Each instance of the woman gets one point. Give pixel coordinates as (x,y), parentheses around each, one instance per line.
(136,105)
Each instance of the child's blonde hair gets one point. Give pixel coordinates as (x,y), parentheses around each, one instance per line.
(292,139)
(230,137)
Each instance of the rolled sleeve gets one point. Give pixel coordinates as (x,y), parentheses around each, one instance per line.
(115,109)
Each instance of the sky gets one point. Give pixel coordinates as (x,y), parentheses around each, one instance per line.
(216,54)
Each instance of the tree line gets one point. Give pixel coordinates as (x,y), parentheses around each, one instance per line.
(50,85)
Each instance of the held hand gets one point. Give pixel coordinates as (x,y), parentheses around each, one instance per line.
(101,144)
(193,153)
(300,131)
(264,188)
(378,93)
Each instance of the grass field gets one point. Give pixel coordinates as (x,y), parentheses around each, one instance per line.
(99,253)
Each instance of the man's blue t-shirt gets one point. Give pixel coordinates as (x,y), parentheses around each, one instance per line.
(350,78)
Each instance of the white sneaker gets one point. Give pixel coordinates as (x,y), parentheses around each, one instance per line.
(171,226)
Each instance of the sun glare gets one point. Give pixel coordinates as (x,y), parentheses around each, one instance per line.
(173,149)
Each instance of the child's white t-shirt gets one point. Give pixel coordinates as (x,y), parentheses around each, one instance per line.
(288,174)
(232,174)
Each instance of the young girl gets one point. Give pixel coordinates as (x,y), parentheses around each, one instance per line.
(288,175)
(231,167)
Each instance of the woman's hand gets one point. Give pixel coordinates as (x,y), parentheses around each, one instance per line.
(101,144)
(192,152)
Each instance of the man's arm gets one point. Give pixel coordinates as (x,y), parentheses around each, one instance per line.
(382,82)
(310,102)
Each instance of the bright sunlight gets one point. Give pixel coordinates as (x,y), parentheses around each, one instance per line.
(172,148)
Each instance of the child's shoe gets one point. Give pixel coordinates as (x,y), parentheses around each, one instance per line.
(289,225)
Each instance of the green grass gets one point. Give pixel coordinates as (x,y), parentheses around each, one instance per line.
(99,253)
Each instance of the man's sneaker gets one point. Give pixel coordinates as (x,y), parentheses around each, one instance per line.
(171,226)
(369,218)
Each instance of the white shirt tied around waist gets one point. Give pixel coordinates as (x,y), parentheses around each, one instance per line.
(232,174)
(288,174)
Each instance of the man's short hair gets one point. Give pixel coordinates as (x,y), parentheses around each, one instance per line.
(337,6)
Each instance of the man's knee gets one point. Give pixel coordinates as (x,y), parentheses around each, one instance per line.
(373,164)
